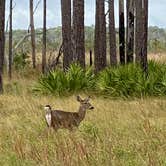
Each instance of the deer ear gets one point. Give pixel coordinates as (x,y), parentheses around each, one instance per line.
(79,98)
(87,99)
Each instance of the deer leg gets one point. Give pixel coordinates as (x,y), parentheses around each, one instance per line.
(72,128)
(44,132)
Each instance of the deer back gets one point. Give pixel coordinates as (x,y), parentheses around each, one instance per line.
(64,119)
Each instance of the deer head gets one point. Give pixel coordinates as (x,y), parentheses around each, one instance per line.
(85,103)
(47,108)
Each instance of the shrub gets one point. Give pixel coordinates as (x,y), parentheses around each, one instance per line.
(74,80)
(129,80)
(120,81)
(54,82)
(20,60)
(155,84)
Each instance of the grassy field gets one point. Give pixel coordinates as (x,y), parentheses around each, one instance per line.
(118,132)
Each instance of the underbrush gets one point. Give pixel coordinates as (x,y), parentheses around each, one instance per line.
(129,80)
(120,81)
(74,80)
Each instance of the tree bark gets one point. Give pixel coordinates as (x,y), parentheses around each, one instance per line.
(33,45)
(2,40)
(112,34)
(90,58)
(66,33)
(145,37)
(100,37)
(10,41)
(44,37)
(130,31)
(138,30)
(121,32)
(78,32)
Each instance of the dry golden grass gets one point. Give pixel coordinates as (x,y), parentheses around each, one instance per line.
(117,132)
(159,57)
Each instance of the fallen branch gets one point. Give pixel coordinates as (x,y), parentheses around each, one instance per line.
(22,40)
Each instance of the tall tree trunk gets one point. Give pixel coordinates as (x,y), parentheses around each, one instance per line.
(10,41)
(138,30)
(121,32)
(78,32)
(130,31)
(145,36)
(112,34)
(90,58)
(44,37)
(33,45)
(66,33)
(2,40)
(100,36)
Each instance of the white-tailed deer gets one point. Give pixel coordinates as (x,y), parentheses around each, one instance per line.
(61,119)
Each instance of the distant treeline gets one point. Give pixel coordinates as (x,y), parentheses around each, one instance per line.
(156,39)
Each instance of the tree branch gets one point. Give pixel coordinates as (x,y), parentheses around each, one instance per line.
(22,40)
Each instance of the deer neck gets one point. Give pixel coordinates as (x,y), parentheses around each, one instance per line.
(81,113)
(48,117)
(48,111)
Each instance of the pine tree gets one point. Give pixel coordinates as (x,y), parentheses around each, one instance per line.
(44,37)
(121,32)
(100,36)
(2,40)
(138,30)
(130,31)
(33,44)
(66,33)
(112,34)
(10,41)
(78,32)
(145,37)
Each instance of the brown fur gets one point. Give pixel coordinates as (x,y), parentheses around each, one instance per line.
(62,119)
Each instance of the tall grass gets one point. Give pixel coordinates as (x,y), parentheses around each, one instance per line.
(116,133)
(120,81)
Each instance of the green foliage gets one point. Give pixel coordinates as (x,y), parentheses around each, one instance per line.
(54,82)
(120,81)
(74,80)
(156,82)
(79,79)
(20,60)
(129,80)
(156,39)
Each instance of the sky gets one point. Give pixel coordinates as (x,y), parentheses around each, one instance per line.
(157,13)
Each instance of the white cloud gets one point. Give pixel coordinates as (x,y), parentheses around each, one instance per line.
(21,13)
(20,17)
